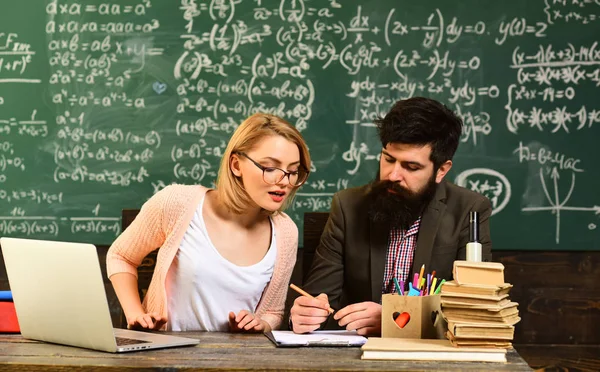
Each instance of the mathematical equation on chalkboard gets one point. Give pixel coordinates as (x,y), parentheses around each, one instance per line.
(124,98)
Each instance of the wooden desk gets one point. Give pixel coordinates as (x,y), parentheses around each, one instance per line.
(217,351)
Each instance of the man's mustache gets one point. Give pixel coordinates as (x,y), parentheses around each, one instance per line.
(393,187)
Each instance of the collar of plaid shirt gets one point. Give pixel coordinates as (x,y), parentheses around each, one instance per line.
(400,255)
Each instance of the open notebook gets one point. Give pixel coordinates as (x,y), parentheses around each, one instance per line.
(317,338)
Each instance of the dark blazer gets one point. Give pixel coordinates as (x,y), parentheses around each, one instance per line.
(349,262)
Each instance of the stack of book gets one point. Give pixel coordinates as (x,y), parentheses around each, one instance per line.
(477,306)
(427,350)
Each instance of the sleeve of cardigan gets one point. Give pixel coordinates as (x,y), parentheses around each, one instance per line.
(145,234)
(276,291)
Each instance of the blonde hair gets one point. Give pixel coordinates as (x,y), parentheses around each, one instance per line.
(230,188)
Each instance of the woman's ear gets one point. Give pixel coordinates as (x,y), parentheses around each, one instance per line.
(234,165)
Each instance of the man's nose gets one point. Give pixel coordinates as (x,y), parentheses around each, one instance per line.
(397,174)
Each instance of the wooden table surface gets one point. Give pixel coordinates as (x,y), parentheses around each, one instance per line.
(217,351)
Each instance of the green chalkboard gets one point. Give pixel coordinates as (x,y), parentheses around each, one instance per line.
(104,103)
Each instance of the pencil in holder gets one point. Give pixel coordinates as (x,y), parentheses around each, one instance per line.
(412,317)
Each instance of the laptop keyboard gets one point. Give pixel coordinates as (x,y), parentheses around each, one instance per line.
(122,341)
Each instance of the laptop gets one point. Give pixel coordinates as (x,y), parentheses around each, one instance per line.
(59,297)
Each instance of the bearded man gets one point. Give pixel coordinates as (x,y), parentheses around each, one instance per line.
(407,217)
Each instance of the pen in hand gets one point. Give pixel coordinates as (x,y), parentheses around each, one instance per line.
(305,294)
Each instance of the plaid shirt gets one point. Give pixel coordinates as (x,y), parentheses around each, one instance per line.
(400,253)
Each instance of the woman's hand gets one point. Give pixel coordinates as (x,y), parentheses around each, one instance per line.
(245,321)
(150,321)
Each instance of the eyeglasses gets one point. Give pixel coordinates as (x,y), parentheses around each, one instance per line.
(273,176)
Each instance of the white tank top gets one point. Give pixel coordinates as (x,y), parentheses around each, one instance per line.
(203,287)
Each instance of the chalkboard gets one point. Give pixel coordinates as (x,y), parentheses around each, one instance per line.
(103,104)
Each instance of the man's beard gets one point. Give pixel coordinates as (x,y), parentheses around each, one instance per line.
(392,204)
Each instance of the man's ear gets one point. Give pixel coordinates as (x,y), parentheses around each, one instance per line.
(234,165)
(442,170)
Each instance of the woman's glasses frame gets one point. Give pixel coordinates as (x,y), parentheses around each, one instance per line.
(271,169)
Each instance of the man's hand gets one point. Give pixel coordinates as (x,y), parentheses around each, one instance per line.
(245,321)
(308,314)
(364,317)
(151,321)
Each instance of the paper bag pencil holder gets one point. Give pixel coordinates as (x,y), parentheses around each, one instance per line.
(424,315)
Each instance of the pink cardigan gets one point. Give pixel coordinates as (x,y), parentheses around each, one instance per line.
(162,223)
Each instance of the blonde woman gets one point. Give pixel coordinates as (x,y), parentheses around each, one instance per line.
(226,255)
